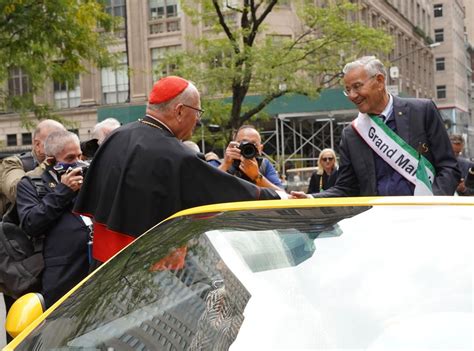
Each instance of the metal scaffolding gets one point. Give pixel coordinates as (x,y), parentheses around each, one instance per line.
(298,138)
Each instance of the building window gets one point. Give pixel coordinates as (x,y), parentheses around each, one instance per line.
(18,82)
(441,91)
(438,10)
(164,16)
(440,63)
(157,54)
(11,140)
(439,35)
(115,82)
(115,7)
(163,9)
(283,3)
(26,139)
(64,97)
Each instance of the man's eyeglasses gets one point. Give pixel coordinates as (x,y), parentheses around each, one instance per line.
(327,159)
(357,87)
(199,111)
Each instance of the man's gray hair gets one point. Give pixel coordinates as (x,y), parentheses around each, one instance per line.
(49,124)
(103,129)
(109,123)
(55,142)
(184,97)
(371,64)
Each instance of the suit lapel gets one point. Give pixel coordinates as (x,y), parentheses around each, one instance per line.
(402,120)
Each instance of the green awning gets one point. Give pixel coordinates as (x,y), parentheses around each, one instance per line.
(329,100)
(123,113)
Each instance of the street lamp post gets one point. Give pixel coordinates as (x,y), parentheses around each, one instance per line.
(394,71)
(415,50)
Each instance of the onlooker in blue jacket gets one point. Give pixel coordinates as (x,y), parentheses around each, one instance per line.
(255,169)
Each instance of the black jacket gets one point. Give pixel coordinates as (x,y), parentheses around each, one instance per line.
(141,175)
(66,234)
(418,122)
(328,181)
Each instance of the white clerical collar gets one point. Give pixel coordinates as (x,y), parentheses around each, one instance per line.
(161,123)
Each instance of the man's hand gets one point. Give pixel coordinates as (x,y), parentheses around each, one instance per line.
(232,152)
(461,187)
(73,179)
(299,195)
(249,167)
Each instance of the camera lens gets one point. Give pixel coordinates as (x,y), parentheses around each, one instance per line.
(248,150)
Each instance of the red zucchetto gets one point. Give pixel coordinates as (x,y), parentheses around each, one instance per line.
(166,89)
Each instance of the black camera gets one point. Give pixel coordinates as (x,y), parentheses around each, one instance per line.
(248,150)
(62,167)
(84,170)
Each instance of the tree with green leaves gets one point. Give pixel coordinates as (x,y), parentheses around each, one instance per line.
(237,54)
(49,40)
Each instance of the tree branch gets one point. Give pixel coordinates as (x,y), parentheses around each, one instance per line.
(226,28)
(266,100)
(256,22)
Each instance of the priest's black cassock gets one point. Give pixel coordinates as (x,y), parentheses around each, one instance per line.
(141,175)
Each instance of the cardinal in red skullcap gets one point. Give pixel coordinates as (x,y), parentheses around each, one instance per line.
(143,173)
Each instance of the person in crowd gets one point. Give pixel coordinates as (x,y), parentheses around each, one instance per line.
(213,159)
(66,235)
(326,175)
(143,173)
(395,146)
(457,143)
(243,158)
(100,131)
(13,168)
(103,129)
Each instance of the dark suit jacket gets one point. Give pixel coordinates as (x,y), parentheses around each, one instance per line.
(418,121)
(66,235)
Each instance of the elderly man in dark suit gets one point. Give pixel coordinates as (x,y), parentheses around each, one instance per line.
(395,146)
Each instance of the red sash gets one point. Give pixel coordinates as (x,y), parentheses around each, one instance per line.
(108,242)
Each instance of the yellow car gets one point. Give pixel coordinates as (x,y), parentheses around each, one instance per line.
(347,273)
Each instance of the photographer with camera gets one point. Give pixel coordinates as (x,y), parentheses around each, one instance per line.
(49,215)
(243,159)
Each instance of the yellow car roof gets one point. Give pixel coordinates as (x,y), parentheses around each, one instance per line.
(328,202)
(274,204)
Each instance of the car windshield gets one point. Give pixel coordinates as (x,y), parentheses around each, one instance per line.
(223,280)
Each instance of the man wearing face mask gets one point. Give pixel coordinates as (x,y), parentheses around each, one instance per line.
(66,235)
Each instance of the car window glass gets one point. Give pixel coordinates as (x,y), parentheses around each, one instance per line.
(173,288)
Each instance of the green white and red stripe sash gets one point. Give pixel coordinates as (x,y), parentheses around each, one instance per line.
(401,156)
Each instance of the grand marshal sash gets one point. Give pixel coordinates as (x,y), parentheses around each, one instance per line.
(401,156)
